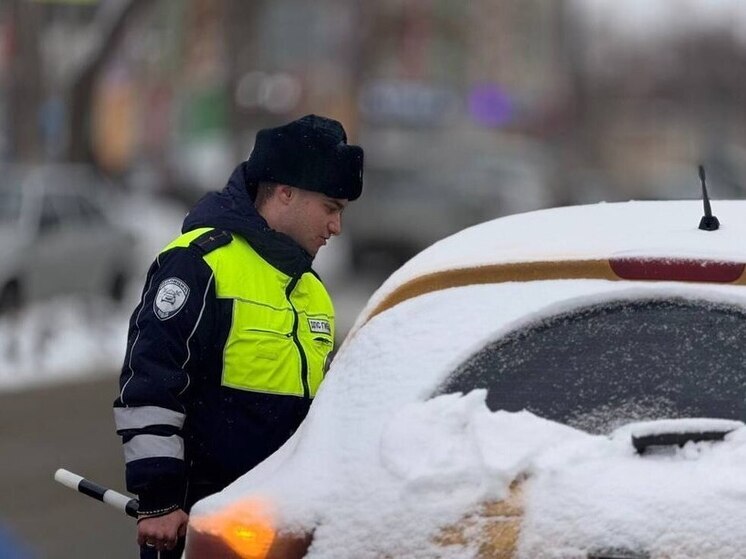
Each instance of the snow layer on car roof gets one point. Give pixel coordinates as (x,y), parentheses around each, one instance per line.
(585,232)
(378,468)
(598,231)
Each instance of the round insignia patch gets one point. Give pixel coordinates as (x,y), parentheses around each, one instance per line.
(171,296)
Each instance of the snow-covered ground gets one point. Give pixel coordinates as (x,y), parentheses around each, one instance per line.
(66,338)
(61,340)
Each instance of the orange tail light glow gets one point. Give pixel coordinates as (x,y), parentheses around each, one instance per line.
(247,527)
(244,530)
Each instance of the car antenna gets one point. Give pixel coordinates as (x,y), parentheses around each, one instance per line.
(708,222)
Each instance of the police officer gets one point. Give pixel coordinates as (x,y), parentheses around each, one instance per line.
(230,341)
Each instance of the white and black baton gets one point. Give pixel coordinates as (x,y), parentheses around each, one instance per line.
(128,505)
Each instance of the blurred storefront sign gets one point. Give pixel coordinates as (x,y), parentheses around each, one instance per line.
(204,110)
(490,105)
(114,122)
(408,102)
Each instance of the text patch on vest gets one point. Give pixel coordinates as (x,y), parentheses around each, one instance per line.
(319,326)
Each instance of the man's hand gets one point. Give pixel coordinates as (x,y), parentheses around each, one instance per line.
(162,532)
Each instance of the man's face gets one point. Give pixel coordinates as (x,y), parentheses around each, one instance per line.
(313,218)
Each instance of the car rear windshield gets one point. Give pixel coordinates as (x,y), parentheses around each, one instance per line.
(602,366)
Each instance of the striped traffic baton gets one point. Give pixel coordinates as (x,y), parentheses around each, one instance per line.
(128,505)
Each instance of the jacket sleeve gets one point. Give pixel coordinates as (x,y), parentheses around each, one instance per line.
(151,408)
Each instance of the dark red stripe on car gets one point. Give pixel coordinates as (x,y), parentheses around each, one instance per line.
(621,268)
(660,269)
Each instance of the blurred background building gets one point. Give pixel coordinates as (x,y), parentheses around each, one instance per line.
(467,111)
(484,108)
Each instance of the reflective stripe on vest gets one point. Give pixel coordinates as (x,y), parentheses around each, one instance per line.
(282,329)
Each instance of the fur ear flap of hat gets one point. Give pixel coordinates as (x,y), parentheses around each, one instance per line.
(310,153)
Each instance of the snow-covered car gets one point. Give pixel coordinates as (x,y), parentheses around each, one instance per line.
(567,383)
(56,237)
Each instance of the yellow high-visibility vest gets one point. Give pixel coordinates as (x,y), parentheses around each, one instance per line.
(282,328)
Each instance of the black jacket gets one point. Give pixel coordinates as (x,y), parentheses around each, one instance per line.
(171,396)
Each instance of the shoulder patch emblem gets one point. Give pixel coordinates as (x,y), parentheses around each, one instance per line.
(320,326)
(171,296)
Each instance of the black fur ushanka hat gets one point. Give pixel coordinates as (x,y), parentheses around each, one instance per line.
(310,153)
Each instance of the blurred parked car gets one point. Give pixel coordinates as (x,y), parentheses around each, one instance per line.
(404,210)
(56,237)
(567,383)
